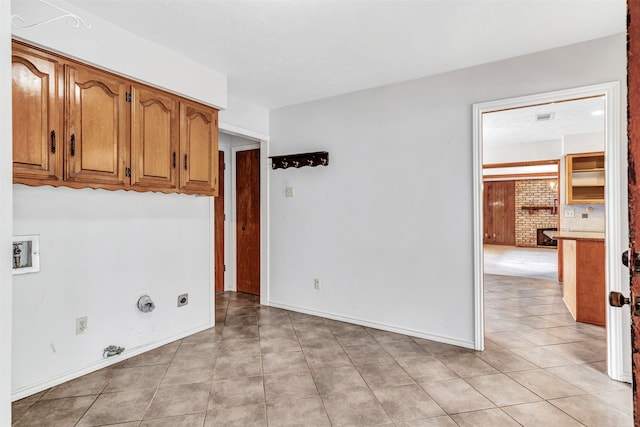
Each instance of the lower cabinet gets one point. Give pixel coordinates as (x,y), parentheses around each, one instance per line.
(583,292)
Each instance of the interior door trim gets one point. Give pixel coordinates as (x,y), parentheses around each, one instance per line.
(262,142)
(614,218)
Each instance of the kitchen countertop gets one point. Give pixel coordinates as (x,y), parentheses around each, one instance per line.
(575,235)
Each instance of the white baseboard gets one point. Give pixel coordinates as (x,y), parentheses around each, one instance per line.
(375,325)
(25,391)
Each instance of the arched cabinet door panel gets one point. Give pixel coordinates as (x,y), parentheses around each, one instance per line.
(199,149)
(37,116)
(155,121)
(97,127)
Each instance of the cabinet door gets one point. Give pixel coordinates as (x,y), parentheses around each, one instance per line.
(37,125)
(97,127)
(154,139)
(198,149)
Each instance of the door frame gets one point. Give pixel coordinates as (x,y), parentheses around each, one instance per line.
(6,218)
(225,244)
(254,140)
(615,210)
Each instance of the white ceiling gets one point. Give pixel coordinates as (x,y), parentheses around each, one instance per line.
(279,53)
(519,125)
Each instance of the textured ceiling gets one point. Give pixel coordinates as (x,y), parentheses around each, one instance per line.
(278,53)
(519,125)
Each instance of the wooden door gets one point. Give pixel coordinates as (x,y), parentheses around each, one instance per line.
(37,116)
(499,212)
(219,224)
(248,221)
(154,139)
(199,149)
(633,123)
(97,142)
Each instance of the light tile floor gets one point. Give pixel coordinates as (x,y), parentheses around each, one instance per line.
(263,366)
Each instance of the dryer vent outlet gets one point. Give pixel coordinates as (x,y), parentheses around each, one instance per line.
(183,299)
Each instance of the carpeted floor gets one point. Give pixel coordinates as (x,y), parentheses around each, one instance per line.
(536,263)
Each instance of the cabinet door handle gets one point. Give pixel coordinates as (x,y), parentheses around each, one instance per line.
(73,144)
(174,159)
(185,162)
(53,141)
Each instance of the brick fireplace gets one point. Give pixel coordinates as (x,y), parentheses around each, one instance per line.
(534,192)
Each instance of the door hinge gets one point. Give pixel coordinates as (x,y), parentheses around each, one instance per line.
(127,97)
(225,268)
(633,263)
(224,217)
(224,166)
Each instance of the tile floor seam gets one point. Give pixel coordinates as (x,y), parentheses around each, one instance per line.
(575,385)
(353,364)
(560,409)
(549,402)
(92,403)
(86,410)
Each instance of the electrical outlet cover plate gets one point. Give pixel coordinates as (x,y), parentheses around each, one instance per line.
(81,325)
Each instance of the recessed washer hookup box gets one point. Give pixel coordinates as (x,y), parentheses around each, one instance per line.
(26,254)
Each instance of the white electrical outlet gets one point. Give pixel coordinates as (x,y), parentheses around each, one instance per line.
(288,191)
(569,213)
(316,283)
(81,325)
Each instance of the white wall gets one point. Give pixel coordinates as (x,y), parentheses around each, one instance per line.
(244,115)
(6,214)
(387,226)
(583,143)
(524,152)
(543,150)
(110,47)
(99,252)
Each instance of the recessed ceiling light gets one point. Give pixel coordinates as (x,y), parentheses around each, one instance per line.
(597,113)
(544,117)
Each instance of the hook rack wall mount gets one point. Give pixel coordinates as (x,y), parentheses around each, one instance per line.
(300,160)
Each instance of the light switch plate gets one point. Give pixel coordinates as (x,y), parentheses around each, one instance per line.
(288,191)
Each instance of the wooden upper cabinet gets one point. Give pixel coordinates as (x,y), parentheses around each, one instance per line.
(198,149)
(77,126)
(585,178)
(96,127)
(37,116)
(155,125)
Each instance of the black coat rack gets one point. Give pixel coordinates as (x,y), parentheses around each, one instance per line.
(300,160)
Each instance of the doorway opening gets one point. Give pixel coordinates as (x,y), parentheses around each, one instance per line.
(610,215)
(239,216)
